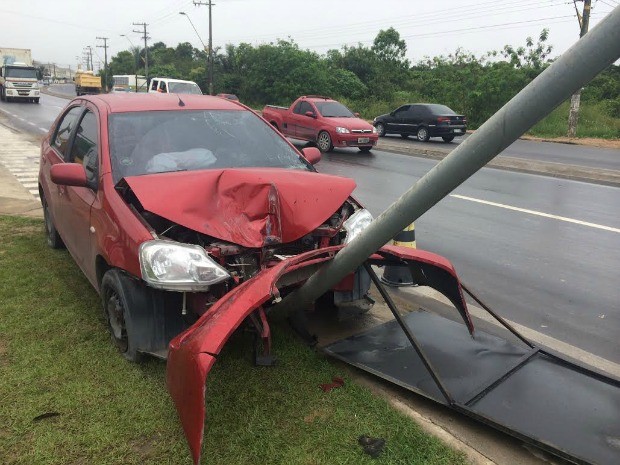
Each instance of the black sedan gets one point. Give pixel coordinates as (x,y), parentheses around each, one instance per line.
(423,120)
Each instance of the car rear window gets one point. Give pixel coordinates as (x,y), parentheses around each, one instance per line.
(437,109)
(162,141)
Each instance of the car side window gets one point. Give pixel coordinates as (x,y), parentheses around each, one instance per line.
(85,148)
(154,84)
(304,107)
(64,129)
(297,109)
(163,87)
(415,111)
(401,111)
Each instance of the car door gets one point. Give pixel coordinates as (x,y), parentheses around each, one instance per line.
(77,202)
(415,118)
(396,121)
(306,125)
(57,152)
(289,127)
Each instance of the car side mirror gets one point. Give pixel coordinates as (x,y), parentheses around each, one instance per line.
(312,154)
(69,174)
(357,115)
(310,114)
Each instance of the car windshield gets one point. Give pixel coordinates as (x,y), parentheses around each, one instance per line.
(162,141)
(183,88)
(333,110)
(440,109)
(19,72)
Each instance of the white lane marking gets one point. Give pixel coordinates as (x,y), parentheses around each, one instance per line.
(43,129)
(537,213)
(31,123)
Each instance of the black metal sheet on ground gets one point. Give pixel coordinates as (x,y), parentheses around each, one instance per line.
(550,403)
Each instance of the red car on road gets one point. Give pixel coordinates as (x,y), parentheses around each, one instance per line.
(324,121)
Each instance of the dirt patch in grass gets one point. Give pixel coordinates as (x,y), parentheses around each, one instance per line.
(589,141)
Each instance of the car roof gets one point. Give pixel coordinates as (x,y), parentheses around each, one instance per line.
(318,98)
(130,102)
(172,80)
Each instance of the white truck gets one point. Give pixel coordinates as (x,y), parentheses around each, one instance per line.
(18,78)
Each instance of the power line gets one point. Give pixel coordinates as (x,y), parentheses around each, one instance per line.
(413,20)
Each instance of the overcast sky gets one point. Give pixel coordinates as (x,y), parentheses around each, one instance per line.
(57,31)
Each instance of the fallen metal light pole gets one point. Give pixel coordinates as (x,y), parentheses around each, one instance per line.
(575,68)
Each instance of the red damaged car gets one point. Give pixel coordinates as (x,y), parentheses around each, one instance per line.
(191,216)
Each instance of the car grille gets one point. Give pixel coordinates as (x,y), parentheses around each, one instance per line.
(361,131)
(22,84)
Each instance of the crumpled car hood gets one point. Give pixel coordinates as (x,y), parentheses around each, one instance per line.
(252,207)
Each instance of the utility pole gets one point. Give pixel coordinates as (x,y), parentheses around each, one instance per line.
(575,100)
(105,54)
(146,48)
(90,65)
(209,4)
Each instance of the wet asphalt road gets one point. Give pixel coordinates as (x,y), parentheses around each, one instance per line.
(579,155)
(558,277)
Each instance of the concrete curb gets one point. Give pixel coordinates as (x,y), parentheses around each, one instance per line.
(522,165)
(46,90)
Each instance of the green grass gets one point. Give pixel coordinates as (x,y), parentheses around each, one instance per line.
(594,121)
(55,356)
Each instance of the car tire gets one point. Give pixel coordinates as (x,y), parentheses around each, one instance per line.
(380,127)
(2,94)
(365,149)
(404,136)
(447,138)
(36,100)
(324,142)
(51,234)
(422,134)
(116,311)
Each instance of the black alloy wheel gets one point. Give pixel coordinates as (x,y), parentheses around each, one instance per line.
(115,307)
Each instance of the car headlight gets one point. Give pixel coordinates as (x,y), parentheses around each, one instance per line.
(356,223)
(9,84)
(374,130)
(178,267)
(340,130)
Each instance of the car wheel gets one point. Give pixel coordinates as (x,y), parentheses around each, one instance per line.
(324,142)
(380,129)
(365,149)
(53,238)
(447,138)
(36,100)
(422,134)
(2,95)
(404,136)
(116,310)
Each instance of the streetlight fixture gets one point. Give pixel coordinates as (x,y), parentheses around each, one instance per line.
(136,59)
(127,37)
(206,49)
(190,21)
